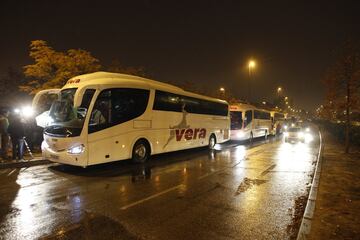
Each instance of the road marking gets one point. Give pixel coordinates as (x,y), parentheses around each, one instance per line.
(212,173)
(151,197)
(268,170)
(11,172)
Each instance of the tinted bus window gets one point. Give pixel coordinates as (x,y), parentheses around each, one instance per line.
(278,116)
(261,115)
(165,101)
(266,115)
(248,116)
(116,106)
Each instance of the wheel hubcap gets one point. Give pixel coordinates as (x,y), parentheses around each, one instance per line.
(212,142)
(141,151)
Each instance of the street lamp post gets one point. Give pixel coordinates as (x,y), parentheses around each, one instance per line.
(251,66)
(222,92)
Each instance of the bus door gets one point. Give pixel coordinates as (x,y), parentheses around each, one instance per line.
(112,127)
(248,123)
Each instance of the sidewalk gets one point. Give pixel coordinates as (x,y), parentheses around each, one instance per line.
(337,211)
(28,162)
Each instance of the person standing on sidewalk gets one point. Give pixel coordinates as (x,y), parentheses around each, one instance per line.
(17,134)
(4,124)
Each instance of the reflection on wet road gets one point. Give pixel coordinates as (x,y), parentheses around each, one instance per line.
(236,192)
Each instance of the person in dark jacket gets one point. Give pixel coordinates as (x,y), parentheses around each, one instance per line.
(4,124)
(17,132)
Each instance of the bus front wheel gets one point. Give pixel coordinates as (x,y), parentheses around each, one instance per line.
(141,152)
(212,141)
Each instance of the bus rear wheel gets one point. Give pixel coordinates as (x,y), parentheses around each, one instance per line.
(212,142)
(141,152)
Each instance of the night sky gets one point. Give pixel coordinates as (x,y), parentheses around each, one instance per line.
(208,42)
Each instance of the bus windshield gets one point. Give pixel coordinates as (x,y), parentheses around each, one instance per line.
(236,120)
(67,120)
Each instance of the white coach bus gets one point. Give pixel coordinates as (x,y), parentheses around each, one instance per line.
(248,122)
(104,117)
(278,120)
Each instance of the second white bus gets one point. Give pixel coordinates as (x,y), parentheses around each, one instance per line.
(248,122)
(278,120)
(104,117)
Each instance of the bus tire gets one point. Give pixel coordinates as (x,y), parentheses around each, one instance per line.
(141,151)
(212,142)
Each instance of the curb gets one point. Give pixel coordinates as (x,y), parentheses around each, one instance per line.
(305,226)
(23,164)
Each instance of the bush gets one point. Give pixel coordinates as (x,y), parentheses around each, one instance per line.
(338,130)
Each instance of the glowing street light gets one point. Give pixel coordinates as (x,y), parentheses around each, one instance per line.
(279,89)
(251,66)
(222,92)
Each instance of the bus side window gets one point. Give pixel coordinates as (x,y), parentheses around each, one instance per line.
(128,104)
(248,117)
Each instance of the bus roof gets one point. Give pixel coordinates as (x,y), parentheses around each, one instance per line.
(241,106)
(245,106)
(107,78)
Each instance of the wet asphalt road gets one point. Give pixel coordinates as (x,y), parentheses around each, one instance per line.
(240,191)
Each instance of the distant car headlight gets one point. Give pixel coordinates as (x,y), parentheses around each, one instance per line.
(308,129)
(285,127)
(286,134)
(76,149)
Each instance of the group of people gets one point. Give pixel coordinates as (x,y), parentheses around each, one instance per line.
(11,130)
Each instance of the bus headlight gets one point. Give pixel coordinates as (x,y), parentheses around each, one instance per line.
(308,137)
(76,149)
(44,145)
(240,134)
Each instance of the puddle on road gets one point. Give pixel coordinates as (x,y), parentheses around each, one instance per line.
(248,183)
(91,226)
